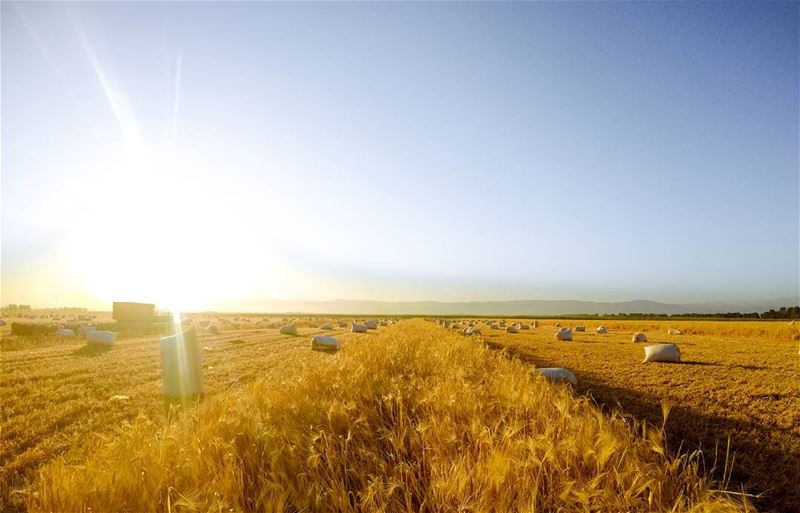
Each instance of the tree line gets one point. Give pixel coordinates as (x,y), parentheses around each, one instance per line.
(784,312)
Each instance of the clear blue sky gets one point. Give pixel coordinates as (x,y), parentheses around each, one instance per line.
(451,151)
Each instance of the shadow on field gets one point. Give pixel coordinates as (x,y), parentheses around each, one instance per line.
(695,362)
(762,466)
(92,350)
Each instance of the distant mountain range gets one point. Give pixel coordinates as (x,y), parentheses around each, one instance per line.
(509,308)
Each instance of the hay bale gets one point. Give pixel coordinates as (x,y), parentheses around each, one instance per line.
(564,334)
(371,325)
(639,337)
(601,329)
(181,365)
(212,329)
(289,329)
(512,329)
(101,337)
(358,328)
(524,327)
(580,328)
(662,353)
(342,324)
(494,327)
(86,329)
(65,332)
(324,344)
(558,375)
(674,331)
(471,331)
(2,322)
(326,326)
(535,324)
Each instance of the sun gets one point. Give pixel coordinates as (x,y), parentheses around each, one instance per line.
(147,230)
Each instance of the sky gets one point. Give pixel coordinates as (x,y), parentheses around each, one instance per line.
(200,154)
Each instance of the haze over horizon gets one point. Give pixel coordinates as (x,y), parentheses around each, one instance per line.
(198,154)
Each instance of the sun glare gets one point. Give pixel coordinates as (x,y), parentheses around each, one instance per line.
(149,231)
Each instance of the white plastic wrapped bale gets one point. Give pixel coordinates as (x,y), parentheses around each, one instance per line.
(494,327)
(358,328)
(101,337)
(639,337)
(580,328)
(471,331)
(212,329)
(512,329)
(564,334)
(674,331)
(86,329)
(602,329)
(384,323)
(181,365)
(325,344)
(342,324)
(662,353)
(524,327)
(65,332)
(456,325)
(558,375)
(289,329)
(326,326)
(371,325)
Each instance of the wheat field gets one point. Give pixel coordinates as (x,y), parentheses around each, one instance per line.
(408,418)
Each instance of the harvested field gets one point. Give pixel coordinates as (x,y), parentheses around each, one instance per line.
(57,392)
(408,418)
(737,380)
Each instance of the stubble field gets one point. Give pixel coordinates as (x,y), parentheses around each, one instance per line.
(406,418)
(738,381)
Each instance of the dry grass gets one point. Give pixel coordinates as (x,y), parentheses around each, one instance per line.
(739,380)
(411,419)
(55,394)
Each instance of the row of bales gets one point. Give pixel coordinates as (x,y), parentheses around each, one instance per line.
(661,352)
(322,343)
(181,359)
(468,328)
(92,333)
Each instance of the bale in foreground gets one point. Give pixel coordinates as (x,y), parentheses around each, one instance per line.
(423,420)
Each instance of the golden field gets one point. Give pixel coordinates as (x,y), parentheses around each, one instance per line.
(56,393)
(738,381)
(411,418)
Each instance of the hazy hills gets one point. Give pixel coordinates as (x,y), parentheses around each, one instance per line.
(510,308)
